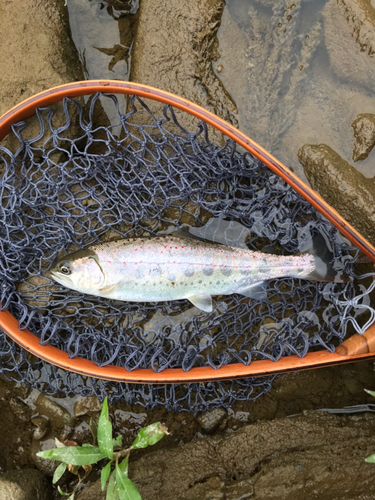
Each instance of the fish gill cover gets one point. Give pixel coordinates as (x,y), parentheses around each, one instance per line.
(70,178)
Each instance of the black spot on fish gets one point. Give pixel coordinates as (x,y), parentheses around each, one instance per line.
(156,271)
(188,271)
(227,271)
(208,270)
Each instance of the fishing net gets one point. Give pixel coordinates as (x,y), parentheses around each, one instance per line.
(79,173)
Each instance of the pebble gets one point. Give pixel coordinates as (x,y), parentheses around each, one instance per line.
(57,414)
(42,426)
(364,136)
(211,420)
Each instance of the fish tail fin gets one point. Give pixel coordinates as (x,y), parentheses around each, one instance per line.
(326,268)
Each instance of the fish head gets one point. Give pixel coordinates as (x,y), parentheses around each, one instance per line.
(79,271)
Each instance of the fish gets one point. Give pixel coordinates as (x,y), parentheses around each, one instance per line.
(177,266)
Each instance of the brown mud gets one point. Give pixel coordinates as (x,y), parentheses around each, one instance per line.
(291,74)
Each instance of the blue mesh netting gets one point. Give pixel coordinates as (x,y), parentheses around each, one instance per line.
(67,180)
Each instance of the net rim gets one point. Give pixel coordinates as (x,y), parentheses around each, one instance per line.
(59,358)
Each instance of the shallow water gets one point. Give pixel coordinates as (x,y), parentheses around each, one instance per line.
(276,64)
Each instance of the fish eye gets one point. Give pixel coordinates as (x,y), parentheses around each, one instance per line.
(65,268)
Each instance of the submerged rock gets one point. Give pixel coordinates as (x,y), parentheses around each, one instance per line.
(364,136)
(57,414)
(25,484)
(342,186)
(349,27)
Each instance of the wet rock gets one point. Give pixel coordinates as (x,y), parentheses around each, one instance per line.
(57,414)
(46,466)
(82,433)
(349,27)
(25,484)
(211,420)
(174,47)
(364,136)
(87,406)
(342,186)
(42,426)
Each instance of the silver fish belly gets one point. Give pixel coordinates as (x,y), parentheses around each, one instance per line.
(172,268)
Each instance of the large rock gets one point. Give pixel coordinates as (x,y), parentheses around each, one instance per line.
(349,27)
(25,484)
(174,47)
(342,186)
(36,50)
(310,456)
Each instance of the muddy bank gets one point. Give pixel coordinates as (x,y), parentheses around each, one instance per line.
(309,456)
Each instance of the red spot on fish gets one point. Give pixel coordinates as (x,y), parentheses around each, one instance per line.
(124,263)
(109,262)
(140,248)
(165,246)
(135,249)
(149,248)
(226,256)
(135,263)
(205,246)
(198,244)
(182,247)
(213,255)
(221,251)
(176,248)
(161,251)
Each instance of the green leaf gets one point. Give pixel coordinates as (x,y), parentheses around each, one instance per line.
(126,488)
(87,445)
(370,459)
(117,441)
(149,435)
(74,455)
(62,492)
(105,432)
(370,392)
(59,472)
(112,493)
(124,465)
(105,474)
(71,497)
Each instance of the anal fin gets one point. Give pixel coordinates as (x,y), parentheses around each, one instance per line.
(255,291)
(203,302)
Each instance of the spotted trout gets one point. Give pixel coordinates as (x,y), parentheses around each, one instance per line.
(170,267)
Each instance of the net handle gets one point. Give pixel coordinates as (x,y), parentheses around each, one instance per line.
(51,354)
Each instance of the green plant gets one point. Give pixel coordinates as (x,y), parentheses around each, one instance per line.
(120,487)
(371,458)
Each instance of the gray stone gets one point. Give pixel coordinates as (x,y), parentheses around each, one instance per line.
(25,484)
(364,136)
(211,420)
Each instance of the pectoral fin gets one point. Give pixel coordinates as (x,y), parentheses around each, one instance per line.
(108,288)
(255,291)
(204,302)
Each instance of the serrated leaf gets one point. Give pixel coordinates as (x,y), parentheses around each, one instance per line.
(117,441)
(370,459)
(149,436)
(112,493)
(104,475)
(124,465)
(62,492)
(105,432)
(370,392)
(59,472)
(126,488)
(74,455)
